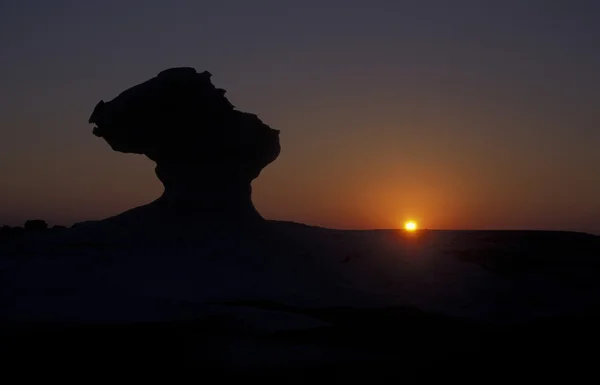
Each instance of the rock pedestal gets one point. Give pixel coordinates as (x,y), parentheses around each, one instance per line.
(207,153)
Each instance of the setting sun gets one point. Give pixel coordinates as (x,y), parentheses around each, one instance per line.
(410,226)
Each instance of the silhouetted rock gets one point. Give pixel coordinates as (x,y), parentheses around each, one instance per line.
(9,232)
(206,152)
(35,225)
(4,232)
(58,227)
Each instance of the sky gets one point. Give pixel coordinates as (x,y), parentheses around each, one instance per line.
(458,114)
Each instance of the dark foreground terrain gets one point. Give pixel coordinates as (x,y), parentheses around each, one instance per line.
(405,345)
(485,332)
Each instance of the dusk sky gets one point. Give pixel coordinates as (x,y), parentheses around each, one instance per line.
(458,114)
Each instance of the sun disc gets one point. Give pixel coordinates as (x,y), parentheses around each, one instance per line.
(410,226)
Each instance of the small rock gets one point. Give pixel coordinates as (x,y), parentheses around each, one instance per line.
(35,225)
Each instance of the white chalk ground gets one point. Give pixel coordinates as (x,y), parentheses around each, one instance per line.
(84,277)
(74,280)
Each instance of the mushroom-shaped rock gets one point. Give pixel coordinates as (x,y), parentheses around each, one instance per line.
(207,153)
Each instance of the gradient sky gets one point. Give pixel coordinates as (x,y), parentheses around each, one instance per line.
(460,114)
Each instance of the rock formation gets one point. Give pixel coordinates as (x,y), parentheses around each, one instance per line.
(207,153)
(36,225)
(9,232)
